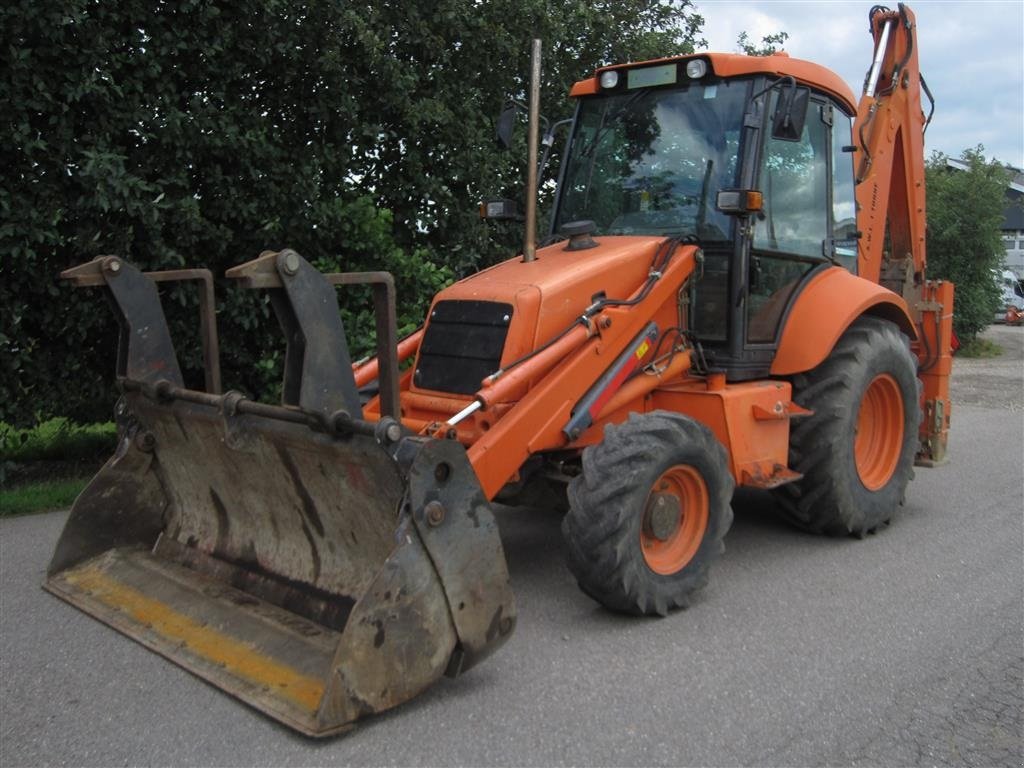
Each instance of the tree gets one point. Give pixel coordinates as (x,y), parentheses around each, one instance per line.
(200,133)
(769,44)
(965,211)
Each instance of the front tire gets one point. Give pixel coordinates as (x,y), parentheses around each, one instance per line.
(648,513)
(856,452)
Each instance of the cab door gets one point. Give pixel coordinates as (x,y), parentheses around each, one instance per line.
(807,223)
(790,232)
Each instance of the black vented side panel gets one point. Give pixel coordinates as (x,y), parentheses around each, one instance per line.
(463,344)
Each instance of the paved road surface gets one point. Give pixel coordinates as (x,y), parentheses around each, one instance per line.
(901,649)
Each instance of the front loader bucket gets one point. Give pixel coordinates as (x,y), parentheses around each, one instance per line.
(318,569)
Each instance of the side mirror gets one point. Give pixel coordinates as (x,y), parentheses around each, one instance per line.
(506,122)
(790,113)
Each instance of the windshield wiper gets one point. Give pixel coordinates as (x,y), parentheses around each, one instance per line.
(702,212)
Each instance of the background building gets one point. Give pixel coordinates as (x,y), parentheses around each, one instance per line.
(1013,224)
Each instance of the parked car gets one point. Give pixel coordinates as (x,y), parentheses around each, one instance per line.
(1012,296)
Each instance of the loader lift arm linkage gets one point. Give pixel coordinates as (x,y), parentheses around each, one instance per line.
(332,556)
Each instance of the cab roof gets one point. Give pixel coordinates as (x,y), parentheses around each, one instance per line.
(736,65)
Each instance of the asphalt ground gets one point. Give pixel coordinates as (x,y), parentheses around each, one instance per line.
(904,648)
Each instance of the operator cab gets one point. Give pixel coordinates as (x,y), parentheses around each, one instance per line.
(653,145)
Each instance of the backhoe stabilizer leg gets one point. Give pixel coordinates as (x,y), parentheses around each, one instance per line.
(934,352)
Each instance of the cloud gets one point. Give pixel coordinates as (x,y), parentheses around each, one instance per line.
(972,56)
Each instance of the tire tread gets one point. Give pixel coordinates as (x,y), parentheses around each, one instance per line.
(605,502)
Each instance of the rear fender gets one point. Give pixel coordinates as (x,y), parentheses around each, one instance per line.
(824,309)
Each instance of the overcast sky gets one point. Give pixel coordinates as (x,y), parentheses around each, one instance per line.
(971,53)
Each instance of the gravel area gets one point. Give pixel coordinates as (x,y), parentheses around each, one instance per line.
(992,382)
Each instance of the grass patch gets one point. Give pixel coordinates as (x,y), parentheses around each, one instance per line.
(978,347)
(46,467)
(40,496)
(57,440)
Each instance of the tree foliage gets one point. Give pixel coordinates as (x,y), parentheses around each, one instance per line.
(769,44)
(965,212)
(201,133)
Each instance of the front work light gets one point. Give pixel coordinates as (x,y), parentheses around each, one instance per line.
(696,68)
(609,79)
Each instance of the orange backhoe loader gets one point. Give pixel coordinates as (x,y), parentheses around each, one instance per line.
(733,294)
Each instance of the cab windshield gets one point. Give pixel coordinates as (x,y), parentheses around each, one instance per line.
(650,162)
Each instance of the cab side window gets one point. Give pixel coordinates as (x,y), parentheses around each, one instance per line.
(844,204)
(794,181)
(793,225)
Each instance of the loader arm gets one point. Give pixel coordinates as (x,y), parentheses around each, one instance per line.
(538,421)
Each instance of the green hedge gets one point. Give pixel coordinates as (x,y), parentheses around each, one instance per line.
(151,143)
(202,133)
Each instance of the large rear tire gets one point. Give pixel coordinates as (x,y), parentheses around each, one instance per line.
(648,513)
(856,452)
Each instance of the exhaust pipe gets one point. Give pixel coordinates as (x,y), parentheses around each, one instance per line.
(530,239)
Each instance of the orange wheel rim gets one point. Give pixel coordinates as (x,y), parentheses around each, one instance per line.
(675,519)
(878,441)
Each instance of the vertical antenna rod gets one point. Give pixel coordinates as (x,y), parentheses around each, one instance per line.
(530,238)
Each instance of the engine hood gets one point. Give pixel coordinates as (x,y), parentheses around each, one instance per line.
(554,289)
(516,306)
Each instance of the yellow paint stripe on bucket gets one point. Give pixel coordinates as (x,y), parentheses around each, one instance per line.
(216,647)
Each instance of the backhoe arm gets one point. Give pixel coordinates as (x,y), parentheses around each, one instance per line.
(889,140)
